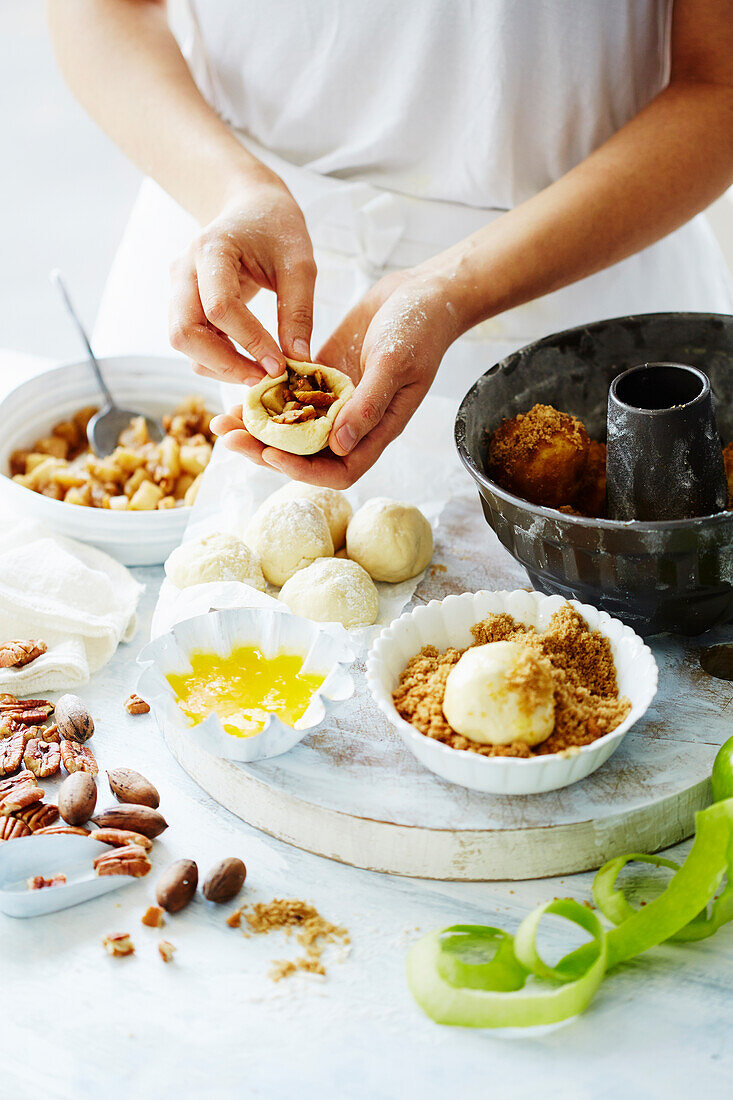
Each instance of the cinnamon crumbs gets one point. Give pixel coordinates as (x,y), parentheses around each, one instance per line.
(587,703)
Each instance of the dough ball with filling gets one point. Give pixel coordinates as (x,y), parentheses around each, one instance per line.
(295,411)
(500,693)
(392,541)
(332,503)
(540,456)
(288,535)
(217,557)
(333,590)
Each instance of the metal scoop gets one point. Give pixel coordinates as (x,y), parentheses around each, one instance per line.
(103,430)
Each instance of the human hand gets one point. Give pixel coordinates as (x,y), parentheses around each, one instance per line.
(258,241)
(391,345)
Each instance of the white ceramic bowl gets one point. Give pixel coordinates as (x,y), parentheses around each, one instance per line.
(448,623)
(219,632)
(152,384)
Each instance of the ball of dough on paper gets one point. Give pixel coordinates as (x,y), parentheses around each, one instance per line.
(333,590)
(334,505)
(391,540)
(499,693)
(217,557)
(288,535)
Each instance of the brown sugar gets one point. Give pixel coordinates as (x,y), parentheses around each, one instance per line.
(587,703)
(313,932)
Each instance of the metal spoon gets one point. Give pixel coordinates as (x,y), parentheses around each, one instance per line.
(103,430)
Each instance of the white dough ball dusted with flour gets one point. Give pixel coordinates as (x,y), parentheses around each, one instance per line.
(288,535)
(216,557)
(391,540)
(500,693)
(334,505)
(333,590)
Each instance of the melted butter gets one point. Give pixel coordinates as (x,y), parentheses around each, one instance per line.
(244,688)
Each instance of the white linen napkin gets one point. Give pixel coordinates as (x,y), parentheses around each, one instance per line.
(76,599)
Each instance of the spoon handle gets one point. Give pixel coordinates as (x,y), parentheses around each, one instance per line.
(59,284)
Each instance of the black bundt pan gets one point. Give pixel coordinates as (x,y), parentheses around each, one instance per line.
(674,575)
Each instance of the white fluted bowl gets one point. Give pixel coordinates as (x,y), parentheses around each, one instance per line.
(220,632)
(448,622)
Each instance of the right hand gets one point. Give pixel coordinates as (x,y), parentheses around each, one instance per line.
(258,241)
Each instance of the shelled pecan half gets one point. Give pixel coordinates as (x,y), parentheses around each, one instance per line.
(122,838)
(11,828)
(38,816)
(15,654)
(11,753)
(123,861)
(19,797)
(43,758)
(26,712)
(77,758)
(63,830)
(135,705)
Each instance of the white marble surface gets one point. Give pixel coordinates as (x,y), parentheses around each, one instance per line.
(79,1024)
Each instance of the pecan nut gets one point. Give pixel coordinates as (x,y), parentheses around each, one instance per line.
(11,753)
(165,950)
(62,830)
(135,705)
(224,880)
(38,816)
(38,882)
(77,758)
(28,712)
(74,721)
(123,861)
(15,654)
(50,733)
(153,917)
(121,838)
(119,944)
(177,885)
(130,787)
(19,796)
(77,798)
(140,819)
(43,758)
(11,828)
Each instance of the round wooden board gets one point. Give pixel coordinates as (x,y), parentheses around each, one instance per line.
(353,792)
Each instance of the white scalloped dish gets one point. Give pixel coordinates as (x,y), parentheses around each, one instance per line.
(448,623)
(220,632)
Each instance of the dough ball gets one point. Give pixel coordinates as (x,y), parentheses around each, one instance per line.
(500,693)
(296,410)
(288,536)
(333,590)
(392,541)
(217,557)
(332,503)
(540,456)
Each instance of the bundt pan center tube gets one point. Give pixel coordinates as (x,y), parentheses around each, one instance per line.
(672,575)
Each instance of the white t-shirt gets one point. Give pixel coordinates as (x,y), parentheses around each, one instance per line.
(481,102)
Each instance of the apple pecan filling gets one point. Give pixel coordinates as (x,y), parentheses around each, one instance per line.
(299,398)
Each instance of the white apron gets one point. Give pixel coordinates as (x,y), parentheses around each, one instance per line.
(364,225)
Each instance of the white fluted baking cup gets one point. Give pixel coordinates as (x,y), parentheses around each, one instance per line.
(448,622)
(220,632)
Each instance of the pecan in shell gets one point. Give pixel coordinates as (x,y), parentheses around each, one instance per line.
(74,721)
(43,758)
(77,758)
(15,654)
